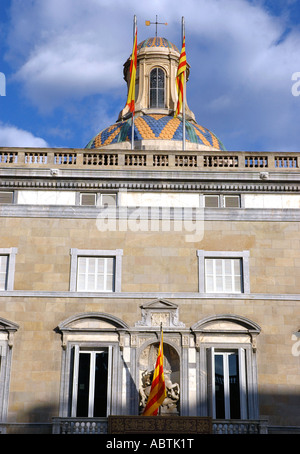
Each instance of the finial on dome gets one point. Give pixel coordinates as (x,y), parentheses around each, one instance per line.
(147,22)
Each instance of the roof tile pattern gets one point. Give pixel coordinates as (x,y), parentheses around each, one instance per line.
(155,127)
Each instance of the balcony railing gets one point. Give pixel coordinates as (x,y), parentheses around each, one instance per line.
(100,426)
(150,160)
(80,426)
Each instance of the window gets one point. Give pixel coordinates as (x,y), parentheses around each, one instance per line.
(157,88)
(223,272)
(211,201)
(91,382)
(88,199)
(223,275)
(108,200)
(95,270)
(92,365)
(6,197)
(95,274)
(7,268)
(3,271)
(222,201)
(232,201)
(228,384)
(227,368)
(93,199)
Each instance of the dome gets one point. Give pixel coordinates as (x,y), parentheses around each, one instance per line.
(156,127)
(157,42)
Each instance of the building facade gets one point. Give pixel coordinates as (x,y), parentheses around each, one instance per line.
(102,245)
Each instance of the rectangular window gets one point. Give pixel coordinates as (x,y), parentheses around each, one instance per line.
(91,382)
(223,275)
(232,201)
(6,197)
(222,201)
(88,199)
(95,270)
(108,200)
(3,271)
(95,274)
(228,384)
(211,201)
(223,271)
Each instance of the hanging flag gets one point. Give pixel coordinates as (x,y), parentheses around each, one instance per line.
(180,78)
(158,388)
(133,64)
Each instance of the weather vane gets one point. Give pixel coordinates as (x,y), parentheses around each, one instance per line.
(147,22)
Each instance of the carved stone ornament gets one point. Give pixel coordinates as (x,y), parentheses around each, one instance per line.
(170,404)
(147,363)
(159,312)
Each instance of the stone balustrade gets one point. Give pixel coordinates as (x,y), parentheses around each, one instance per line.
(100,426)
(167,160)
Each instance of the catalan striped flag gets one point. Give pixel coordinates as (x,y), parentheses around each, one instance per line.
(158,388)
(133,64)
(180,78)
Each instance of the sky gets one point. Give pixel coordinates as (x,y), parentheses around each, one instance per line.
(61,68)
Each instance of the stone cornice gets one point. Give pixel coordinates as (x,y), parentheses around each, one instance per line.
(150,213)
(157,181)
(149,295)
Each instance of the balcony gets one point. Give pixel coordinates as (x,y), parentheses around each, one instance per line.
(87,426)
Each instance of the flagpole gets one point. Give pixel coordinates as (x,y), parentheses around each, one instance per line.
(132,125)
(184,89)
(160,337)
(158,387)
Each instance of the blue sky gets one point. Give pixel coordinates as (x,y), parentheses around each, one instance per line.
(63,66)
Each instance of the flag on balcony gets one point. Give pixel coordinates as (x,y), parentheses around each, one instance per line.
(131,91)
(158,388)
(180,78)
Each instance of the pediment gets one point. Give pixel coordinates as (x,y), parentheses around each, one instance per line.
(92,321)
(6,325)
(226,323)
(159,312)
(159,304)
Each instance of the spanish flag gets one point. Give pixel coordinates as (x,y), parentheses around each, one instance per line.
(158,388)
(180,78)
(131,91)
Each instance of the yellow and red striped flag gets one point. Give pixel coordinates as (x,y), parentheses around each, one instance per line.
(133,64)
(180,78)
(158,388)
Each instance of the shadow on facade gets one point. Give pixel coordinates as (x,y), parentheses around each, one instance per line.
(281,411)
(38,421)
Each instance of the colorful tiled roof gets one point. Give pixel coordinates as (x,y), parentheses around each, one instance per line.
(157,42)
(157,127)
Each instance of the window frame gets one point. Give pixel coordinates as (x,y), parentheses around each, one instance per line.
(242,374)
(245,278)
(98,198)
(106,332)
(10,271)
(156,68)
(92,350)
(222,201)
(227,332)
(75,253)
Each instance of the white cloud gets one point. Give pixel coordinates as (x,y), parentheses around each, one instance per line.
(11,136)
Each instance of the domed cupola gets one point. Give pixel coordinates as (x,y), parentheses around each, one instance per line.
(155,126)
(157,62)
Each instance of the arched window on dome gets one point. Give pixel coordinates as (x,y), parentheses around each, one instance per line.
(157,88)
